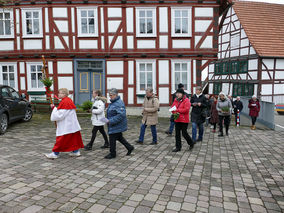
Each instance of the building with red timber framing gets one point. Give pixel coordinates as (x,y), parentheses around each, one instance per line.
(127,44)
(251,52)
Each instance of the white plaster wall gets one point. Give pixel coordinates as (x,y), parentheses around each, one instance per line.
(280,64)
(163,71)
(22,67)
(65,82)
(47,42)
(115,67)
(146,44)
(163,13)
(57,43)
(130,42)
(278,88)
(64,67)
(131,72)
(129,20)
(253,75)
(164,95)
(115,83)
(269,63)
(225,88)
(23,83)
(130,95)
(35,44)
(163,42)
(88,44)
(207,43)
(266,89)
(114,12)
(59,12)
(50,67)
(210,88)
(181,43)
(279,75)
(278,99)
(204,12)
(62,26)
(113,25)
(118,43)
(202,25)
(252,64)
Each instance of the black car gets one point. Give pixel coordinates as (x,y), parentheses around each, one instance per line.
(13,107)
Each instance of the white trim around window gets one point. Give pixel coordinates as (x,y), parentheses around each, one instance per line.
(146,22)
(181,73)
(181,21)
(6,23)
(145,70)
(8,74)
(32,23)
(87,19)
(34,68)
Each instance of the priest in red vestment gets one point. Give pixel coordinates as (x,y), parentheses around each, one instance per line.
(68,136)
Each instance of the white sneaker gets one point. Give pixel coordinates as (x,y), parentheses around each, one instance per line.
(51,155)
(73,154)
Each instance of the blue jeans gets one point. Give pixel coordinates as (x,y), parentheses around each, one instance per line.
(172,126)
(57,153)
(194,131)
(142,133)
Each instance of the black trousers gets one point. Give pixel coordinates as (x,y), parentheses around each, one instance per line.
(214,125)
(94,134)
(182,128)
(117,137)
(253,120)
(226,120)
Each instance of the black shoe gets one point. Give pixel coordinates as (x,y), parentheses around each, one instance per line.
(199,140)
(130,150)
(139,142)
(104,146)
(153,143)
(176,150)
(191,146)
(88,147)
(220,135)
(227,133)
(109,156)
(194,142)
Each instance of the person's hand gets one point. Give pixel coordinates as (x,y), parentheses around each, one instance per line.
(52,106)
(199,104)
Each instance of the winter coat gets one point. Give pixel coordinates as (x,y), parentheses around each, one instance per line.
(214,113)
(238,105)
(150,110)
(198,113)
(254,108)
(224,103)
(98,111)
(183,107)
(116,114)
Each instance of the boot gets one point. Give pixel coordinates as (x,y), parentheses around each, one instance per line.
(253,127)
(220,134)
(88,147)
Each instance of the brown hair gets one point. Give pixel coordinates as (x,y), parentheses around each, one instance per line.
(98,92)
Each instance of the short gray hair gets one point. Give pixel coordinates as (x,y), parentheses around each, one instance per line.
(113,91)
(149,89)
(199,88)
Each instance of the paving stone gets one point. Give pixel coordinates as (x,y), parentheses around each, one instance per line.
(32,209)
(97,208)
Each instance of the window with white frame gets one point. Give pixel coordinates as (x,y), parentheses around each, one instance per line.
(6,23)
(181,22)
(181,74)
(34,77)
(32,22)
(145,75)
(146,22)
(87,22)
(8,75)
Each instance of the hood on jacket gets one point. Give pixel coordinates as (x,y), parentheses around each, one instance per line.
(222,93)
(101,98)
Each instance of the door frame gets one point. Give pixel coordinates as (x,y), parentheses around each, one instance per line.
(76,76)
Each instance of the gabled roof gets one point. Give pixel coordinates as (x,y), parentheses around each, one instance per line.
(264,26)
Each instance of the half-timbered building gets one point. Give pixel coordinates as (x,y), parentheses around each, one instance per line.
(126,44)
(251,52)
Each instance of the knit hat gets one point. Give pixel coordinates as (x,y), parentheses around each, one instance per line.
(180,91)
(180,86)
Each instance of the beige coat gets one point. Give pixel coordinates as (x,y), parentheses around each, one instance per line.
(150,110)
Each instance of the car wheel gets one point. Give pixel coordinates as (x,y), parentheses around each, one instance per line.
(28,115)
(3,123)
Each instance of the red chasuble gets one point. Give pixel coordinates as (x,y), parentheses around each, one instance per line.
(68,128)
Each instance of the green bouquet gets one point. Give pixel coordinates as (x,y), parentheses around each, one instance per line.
(176,116)
(226,109)
(47,82)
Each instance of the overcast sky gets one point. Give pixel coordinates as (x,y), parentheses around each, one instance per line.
(269,1)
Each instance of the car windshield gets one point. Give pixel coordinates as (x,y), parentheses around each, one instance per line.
(14,93)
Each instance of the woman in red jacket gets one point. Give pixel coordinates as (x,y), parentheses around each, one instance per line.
(254,108)
(180,109)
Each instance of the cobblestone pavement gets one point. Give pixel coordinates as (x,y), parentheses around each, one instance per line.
(240,173)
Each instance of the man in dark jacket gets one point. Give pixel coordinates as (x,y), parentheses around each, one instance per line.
(198,113)
(117,123)
(238,105)
(172,123)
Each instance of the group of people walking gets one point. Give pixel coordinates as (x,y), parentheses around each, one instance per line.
(214,109)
